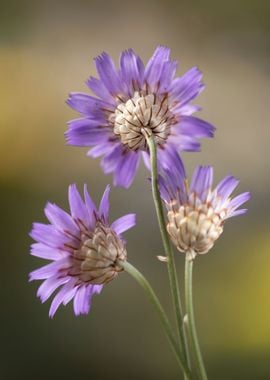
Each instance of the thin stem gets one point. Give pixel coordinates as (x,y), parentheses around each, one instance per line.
(174,286)
(160,311)
(191,327)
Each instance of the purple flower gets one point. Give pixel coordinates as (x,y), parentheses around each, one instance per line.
(197,212)
(84,249)
(131,101)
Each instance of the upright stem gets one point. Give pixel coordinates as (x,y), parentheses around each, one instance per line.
(161,314)
(191,320)
(167,246)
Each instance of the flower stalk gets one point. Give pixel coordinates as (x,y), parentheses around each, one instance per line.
(174,286)
(191,327)
(130,269)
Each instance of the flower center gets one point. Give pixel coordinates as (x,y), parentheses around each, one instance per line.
(149,112)
(95,261)
(194,229)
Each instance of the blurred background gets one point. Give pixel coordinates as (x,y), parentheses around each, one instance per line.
(47,50)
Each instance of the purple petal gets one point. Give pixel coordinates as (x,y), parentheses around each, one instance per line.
(88,105)
(132,70)
(194,127)
(112,158)
(187,87)
(201,180)
(108,74)
(100,90)
(86,136)
(183,142)
(83,298)
(81,303)
(167,74)
(226,186)
(65,292)
(197,181)
(103,210)
(169,158)
(60,219)
(126,169)
(49,270)
(96,289)
(239,200)
(154,67)
(45,252)
(77,207)
(238,212)
(124,223)
(101,149)
(48,286)
(48,235)
(146,160)
(164,189)
(91,207)
(188,109)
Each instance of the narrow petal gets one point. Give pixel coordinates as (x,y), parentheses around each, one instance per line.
(202,181)
(146,160)
(164,189)
(49,270)
(112,158)
(188,109)
(103,210)
(195,127)
(60,218)
(126,169)
(197,181)
(186,88)
(101,149)
(124,223)
(45,252)
(86,136)
(132,70)
(183,143)
(88,105)
(169,158)
(238,212)
(60,297)
(226,186)
(97,86)
(239,200)
(109,75)
(81,302)
(48,286)
(91,207)
(96,289)
(167,74)
(48,235)
(77,207)
(154,67)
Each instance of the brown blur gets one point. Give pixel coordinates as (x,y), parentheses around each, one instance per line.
(46,51)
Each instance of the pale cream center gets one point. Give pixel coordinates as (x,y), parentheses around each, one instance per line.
(95,261)
(140,113)
(195,229)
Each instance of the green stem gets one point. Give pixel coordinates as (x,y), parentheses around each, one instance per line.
(191,320)
(161,314)
(174,286)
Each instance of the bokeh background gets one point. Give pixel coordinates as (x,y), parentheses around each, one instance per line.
(46,50)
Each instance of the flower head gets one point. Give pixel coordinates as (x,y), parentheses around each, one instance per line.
(84,249)
(132,101)
(197,212)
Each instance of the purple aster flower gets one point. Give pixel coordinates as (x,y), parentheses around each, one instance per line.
(197,212)
(132,100)
(84,249)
